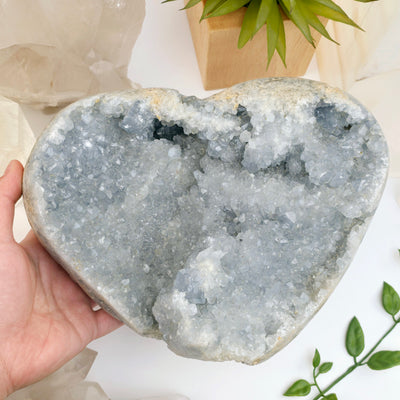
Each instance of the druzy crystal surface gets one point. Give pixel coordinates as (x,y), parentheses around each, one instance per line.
(219,225)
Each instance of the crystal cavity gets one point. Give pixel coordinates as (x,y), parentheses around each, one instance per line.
(219,225)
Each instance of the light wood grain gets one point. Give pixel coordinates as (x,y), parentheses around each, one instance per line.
(222,64)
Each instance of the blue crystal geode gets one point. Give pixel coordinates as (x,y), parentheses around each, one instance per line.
(219,225)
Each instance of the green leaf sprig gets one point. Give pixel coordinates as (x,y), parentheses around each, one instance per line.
(355,345)
(303,13)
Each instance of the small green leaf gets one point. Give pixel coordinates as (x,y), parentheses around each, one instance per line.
(294,13)
(390,300)
(384,360)
(328,9)
(264,12)
(228,7)
(314,21)
(281,43)
(190,3)
(328,3)
(275,34)
(299,388)
(210,6)
(249,25)
(256,16)
(317,359)
(354,338)
(331,396)
(325,367)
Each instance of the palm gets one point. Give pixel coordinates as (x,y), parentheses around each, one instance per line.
(46,319)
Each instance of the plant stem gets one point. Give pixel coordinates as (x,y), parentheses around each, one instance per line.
(356,364)
(379,341)
(336,381)
(315,381)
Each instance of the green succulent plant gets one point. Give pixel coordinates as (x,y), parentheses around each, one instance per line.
(303,13)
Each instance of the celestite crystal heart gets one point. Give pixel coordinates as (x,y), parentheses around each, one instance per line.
(220,225)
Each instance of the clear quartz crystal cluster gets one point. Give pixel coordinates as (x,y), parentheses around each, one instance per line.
(55,52)
(69,383)
(66,383)
(16,136)
(219,225)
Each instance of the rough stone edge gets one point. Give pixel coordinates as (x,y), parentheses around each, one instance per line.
(227,95)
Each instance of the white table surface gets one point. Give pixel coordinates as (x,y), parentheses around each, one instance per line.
(129,366)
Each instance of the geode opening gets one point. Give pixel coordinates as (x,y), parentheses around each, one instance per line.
(220,225)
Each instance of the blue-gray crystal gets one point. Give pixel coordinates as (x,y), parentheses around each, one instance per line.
(219,225)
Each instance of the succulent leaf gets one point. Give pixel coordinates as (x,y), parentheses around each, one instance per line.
(328,9)
(275,34)
(293,11)
(303,13)
(327,3)
(263,13)
(190,3)
(281,43)
(227,7)
(249,25)
(314,21)
(210,6)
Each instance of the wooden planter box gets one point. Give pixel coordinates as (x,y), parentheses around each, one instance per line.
(222,64)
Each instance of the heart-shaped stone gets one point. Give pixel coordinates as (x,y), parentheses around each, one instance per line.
(220,225)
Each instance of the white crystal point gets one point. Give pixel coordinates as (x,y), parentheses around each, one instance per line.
(66,383)
(55,52)
(219,225)
(16,136)
(81,391)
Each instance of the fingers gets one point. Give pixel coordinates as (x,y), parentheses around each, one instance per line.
(30,238)
(105,323)
(10,192)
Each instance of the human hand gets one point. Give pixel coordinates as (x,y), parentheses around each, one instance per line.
(45,318)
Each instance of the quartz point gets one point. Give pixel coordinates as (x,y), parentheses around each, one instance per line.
(66,383)
(376,50)
(220,225)
(16,136)
(55,52)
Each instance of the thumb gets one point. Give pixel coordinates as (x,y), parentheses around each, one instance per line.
(10,192)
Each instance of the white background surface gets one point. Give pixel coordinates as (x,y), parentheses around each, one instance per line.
(129,366)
